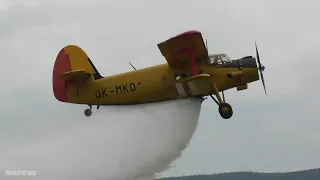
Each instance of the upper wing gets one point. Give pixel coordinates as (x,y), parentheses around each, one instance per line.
(175,49)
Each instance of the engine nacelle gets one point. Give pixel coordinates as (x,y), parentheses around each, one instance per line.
(242,87)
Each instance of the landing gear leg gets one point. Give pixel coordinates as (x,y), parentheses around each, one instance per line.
(225,109)
(88,112)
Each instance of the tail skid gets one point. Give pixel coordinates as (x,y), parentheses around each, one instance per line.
(88,112)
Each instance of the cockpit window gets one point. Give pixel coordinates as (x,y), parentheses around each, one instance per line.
(218,59)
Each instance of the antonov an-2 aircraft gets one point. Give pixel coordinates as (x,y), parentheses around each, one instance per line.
(189,72)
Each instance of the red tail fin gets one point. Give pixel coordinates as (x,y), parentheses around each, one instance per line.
(61,65)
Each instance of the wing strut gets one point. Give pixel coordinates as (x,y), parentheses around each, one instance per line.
(190,51)
(193,63)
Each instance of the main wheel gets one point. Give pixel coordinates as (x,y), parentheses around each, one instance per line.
(225,110)
(88,112)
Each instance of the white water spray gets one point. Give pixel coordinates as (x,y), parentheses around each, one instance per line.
(116,143)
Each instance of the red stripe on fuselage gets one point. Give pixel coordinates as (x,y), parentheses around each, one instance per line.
(61,65)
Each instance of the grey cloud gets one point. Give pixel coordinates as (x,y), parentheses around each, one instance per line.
(267,133)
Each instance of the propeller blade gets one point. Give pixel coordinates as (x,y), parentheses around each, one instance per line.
(258,58)
(261,69)
(262,79)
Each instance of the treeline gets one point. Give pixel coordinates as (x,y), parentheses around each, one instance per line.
(312,174)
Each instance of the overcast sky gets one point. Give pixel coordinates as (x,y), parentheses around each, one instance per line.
(277,132)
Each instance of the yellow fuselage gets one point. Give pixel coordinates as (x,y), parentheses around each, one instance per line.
(154,84)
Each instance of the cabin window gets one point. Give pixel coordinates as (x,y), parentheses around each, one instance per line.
(218,59)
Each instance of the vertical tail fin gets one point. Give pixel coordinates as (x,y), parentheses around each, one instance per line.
(79,60)
(70,58)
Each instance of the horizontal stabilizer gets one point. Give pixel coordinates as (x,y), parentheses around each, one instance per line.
(75,78)
(76,74)
(199,84)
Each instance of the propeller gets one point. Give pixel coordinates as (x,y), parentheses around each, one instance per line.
(261,69)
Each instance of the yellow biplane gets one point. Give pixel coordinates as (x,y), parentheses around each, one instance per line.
(189,72)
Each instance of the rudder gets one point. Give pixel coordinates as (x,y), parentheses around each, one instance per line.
(70,58)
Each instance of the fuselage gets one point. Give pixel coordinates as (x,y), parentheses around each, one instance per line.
(159,83)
